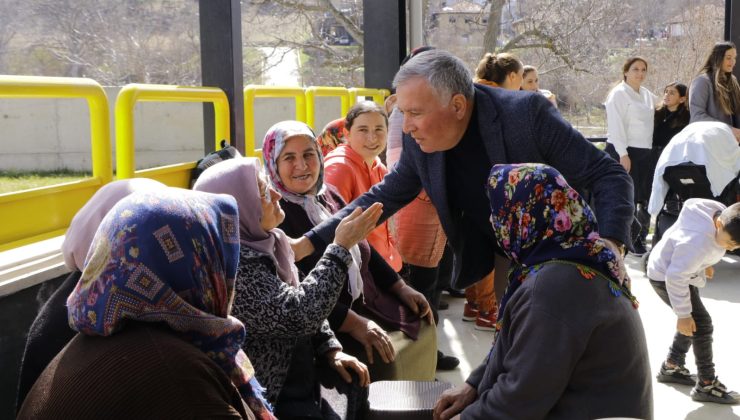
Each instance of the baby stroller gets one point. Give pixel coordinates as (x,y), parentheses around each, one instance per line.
(688,180)
(702,161)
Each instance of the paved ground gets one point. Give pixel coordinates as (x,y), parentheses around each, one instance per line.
(722,299)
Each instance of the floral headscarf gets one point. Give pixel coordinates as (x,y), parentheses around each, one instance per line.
(272,146)
(332,136)
(169,256)
(537,217)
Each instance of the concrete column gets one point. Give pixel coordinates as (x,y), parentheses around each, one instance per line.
(385,40)
(221,64)
(416,24)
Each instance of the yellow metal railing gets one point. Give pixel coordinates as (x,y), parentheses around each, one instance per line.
(316,91)
(252,92)
(177,175)
(378,95)
(41,213)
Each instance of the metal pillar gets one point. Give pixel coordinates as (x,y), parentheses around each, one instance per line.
(385,40)
(221,64)
(416,24)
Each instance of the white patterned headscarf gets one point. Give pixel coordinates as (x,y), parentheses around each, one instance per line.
(273,144)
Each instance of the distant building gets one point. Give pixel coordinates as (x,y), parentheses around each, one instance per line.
(460,23)
(680,25)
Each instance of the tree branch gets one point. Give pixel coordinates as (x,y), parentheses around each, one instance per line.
(350,26)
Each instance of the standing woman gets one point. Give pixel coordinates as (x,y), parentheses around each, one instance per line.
(715,94)
(500,70)
(630,109)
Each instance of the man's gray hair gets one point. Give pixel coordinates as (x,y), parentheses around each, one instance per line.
(446,74)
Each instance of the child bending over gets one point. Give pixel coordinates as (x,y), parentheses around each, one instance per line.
(679,264)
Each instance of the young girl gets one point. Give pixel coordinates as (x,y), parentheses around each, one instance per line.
(354,167)
(670,118)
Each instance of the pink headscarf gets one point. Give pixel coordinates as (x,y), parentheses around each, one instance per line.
(238,178)
(80,234)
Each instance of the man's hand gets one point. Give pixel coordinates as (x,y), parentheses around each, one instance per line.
(686,326)
(709,272)
(612,245)
(453,401)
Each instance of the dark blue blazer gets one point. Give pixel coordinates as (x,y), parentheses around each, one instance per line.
(516,127)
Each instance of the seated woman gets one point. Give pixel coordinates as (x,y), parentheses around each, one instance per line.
(565,313)
(353,167)
(285,315)
(152,308)
(50,331)
(296,170)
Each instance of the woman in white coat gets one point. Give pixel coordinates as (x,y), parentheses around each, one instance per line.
(630,109)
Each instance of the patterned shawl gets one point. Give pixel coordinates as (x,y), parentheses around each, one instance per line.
(537,217)
(80,234)
(169,256)
(332,136)
(272,146)
(238,178)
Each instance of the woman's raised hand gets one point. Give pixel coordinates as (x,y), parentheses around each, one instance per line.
(357,225)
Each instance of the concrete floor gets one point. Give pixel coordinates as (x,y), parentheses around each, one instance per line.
(721,297)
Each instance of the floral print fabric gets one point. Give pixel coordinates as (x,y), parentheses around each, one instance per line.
(332,136)
(537,217)
(169,256)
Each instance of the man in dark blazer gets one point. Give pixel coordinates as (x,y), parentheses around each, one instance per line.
(455,131)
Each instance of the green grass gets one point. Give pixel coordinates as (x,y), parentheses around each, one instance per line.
(17,181)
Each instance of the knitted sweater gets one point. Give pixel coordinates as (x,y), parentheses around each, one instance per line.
(276,314)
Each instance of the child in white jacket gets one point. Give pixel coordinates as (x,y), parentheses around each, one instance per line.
(678,265)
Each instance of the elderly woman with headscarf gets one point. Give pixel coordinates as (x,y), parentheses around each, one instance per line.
(50,331)
(152,308)
(285,315)
(571,344)
(375,294)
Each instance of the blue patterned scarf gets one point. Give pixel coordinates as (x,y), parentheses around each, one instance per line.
(169,256)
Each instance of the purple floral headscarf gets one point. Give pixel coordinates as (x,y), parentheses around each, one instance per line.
(537,217)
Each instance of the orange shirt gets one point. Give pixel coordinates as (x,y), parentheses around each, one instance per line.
(351,176)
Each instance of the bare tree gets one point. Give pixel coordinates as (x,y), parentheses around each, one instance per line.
(114,42)
(10,24)
(325,62)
